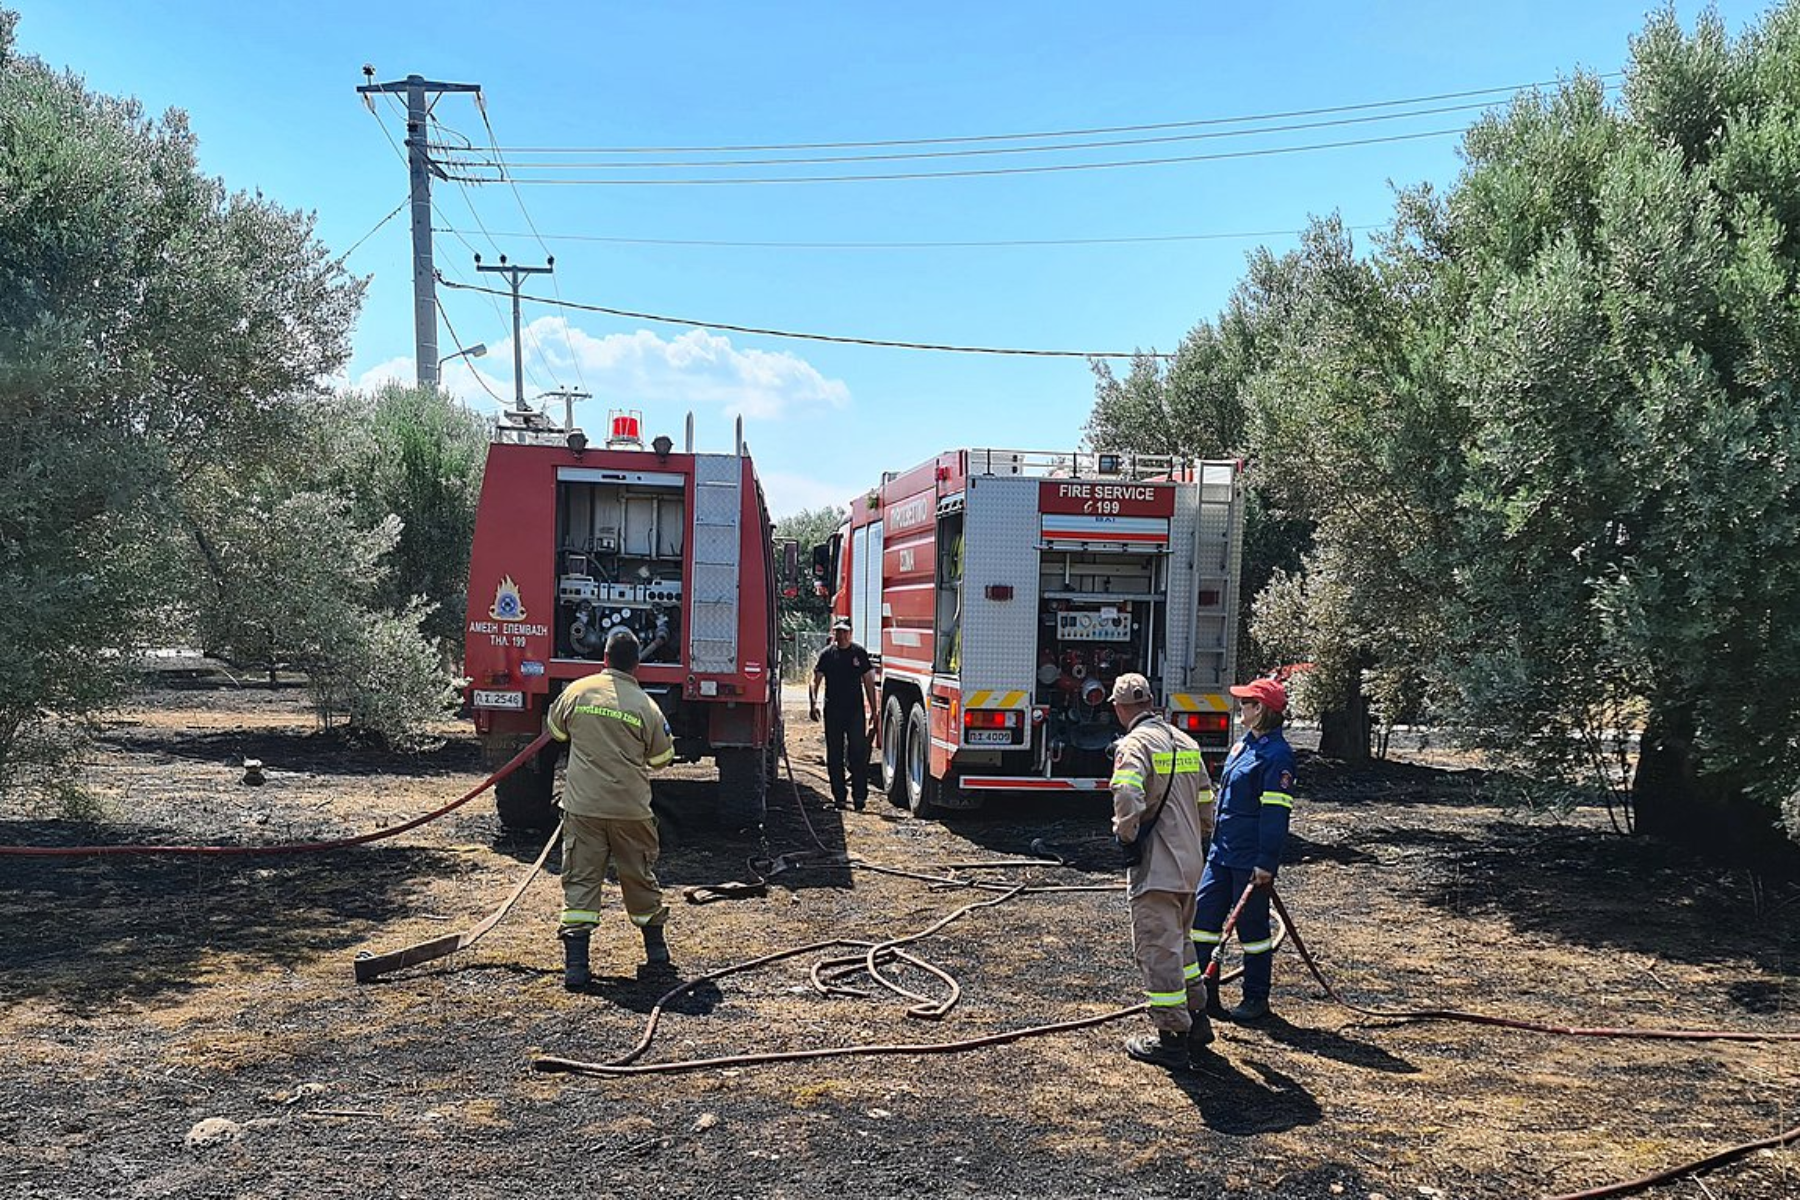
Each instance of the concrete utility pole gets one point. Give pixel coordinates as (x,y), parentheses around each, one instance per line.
(418,161)
(515,275)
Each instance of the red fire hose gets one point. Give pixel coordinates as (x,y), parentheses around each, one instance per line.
(360,839)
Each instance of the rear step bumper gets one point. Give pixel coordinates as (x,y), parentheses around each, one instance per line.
(1029,783)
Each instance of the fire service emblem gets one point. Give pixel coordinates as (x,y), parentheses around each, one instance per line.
(507,605)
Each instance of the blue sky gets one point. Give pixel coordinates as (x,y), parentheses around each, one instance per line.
(270,91)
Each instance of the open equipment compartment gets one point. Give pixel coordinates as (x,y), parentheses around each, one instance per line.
(620,537)
(1101,614)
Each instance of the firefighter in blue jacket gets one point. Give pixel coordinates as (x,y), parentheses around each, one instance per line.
(1254,804)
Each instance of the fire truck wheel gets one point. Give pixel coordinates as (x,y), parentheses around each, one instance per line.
(526,799)
(743,788)
(893,751)
(922,790)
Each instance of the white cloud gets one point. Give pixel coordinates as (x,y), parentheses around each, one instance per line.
(394,370)
(458,378)
(695,369)
(788,493)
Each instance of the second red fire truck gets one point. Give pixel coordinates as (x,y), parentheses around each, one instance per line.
(1003,591)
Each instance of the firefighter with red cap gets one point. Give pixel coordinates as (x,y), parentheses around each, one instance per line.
(1254,804)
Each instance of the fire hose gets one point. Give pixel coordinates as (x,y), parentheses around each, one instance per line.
(871,956)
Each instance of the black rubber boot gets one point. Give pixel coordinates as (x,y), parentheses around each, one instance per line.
(656,948)
(1202,1032)
(575,960)
(1166,1049)
(1249,1011)
(1215,1008)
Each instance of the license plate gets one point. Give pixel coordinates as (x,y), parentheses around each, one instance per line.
(988,737)
(513,700)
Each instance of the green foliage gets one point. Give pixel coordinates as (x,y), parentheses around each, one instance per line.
(387,682)
(811,526)
(416,454)
(1544,436)
(296,584)
(806,610)
(1629,359)
(150,325)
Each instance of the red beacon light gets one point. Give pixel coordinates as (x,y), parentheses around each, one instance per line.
(627,430)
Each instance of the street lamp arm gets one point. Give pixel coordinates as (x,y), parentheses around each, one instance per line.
(475,351)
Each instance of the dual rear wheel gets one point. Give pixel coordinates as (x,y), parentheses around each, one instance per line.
(906,758)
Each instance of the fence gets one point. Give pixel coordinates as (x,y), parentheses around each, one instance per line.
(800,650)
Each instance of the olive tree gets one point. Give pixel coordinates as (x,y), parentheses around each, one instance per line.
(1629,355)
(417,454)
(151,323)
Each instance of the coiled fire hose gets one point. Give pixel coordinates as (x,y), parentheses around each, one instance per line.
(361,839)
(869,957)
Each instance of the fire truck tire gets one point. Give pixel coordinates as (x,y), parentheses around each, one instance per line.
(743,788)
(893,751)
(922,789)
(526,799)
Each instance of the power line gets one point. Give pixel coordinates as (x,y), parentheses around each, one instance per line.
(470,247)
(574,358)
(986,171)
(941,245)
(377,226)
(1058,133)
(460,349)
(815,337)
(985,151)
(469,202)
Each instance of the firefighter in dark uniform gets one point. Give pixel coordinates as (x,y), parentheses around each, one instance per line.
(849,677)
(1255,803)
(617,736)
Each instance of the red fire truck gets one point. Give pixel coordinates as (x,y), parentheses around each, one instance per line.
(1003,592)
(572,542)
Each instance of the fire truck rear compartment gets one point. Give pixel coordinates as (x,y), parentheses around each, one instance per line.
(1100,615)
(619,563)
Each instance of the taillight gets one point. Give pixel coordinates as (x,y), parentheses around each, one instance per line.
(1208,722)
(992,718)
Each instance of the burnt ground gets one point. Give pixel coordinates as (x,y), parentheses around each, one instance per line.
(140,997)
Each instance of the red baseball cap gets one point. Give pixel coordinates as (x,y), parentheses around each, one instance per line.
(1266,692)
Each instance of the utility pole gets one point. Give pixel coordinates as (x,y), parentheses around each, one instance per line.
(421,168)
(568,396)
(515,275)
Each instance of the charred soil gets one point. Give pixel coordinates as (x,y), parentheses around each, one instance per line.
(189,1027)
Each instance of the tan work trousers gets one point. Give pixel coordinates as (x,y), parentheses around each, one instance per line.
(1160,922)
(588,845)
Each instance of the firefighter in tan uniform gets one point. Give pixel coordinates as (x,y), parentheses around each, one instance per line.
(617,736)
(1162,817)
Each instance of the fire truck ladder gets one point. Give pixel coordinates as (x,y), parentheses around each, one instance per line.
(718,505)
(1218,547)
